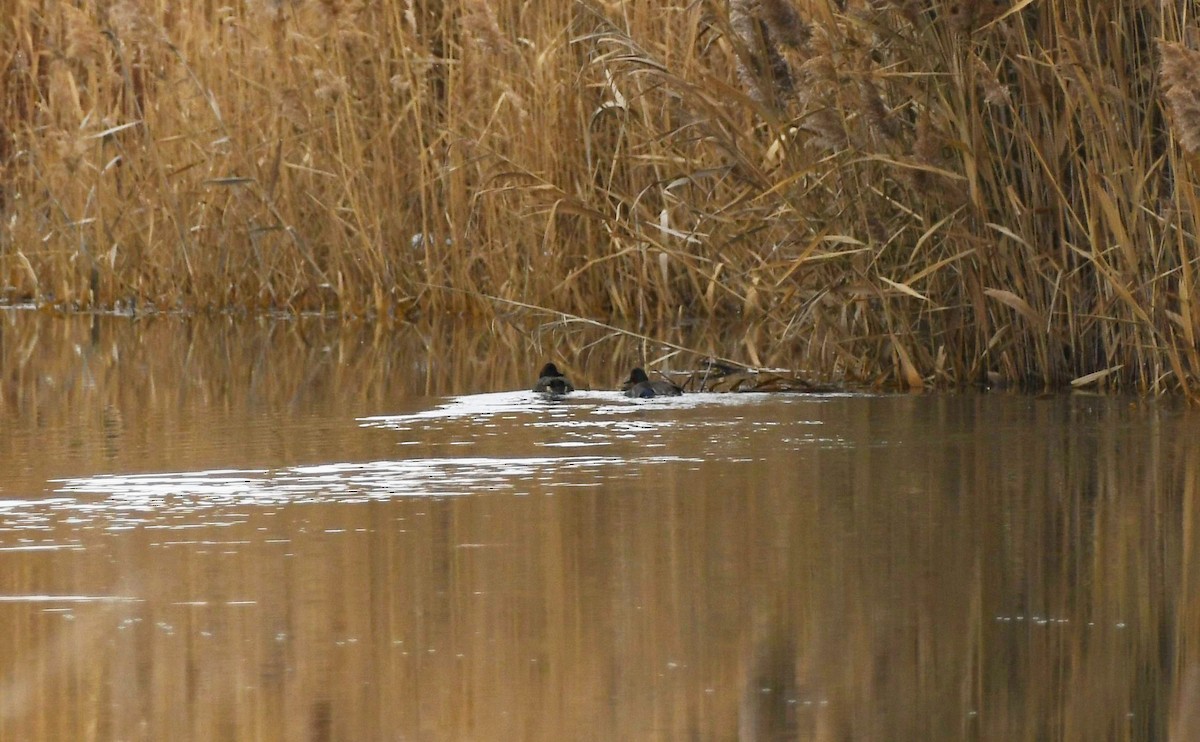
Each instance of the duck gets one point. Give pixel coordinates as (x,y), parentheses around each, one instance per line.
(551,381)
(639,385)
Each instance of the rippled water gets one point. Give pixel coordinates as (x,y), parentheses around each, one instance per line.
(272,530)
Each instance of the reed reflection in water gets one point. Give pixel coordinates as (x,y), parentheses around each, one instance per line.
(285,531)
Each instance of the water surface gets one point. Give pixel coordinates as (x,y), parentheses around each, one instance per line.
(301,530)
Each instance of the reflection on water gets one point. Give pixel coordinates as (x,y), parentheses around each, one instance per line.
(255,530)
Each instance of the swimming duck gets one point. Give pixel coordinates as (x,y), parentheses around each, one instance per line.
(551,381)
(639,385)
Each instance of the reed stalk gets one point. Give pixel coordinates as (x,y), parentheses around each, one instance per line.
(913,193)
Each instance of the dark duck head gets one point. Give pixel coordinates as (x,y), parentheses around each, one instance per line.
(551,381)
(640,386)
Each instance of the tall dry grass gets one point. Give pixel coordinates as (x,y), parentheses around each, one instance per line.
(912,193)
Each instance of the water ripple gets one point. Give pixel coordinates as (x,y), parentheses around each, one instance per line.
(129,500)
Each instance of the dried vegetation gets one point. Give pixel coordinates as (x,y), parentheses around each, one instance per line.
(913,193)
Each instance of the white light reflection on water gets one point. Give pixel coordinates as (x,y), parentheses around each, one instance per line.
(43,547)
(132,500)
(339,482)
(566,429)
(68,599)
(596,404)
(587,418)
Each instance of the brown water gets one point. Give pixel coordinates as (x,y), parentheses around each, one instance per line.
(251,530)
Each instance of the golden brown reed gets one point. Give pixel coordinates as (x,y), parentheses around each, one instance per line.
(1181,86)
(916,193)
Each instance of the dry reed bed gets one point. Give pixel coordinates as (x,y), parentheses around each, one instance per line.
(911,193)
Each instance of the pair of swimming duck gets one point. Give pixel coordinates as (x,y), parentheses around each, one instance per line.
(551,381)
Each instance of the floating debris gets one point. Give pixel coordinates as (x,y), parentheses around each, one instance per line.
(719,376)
